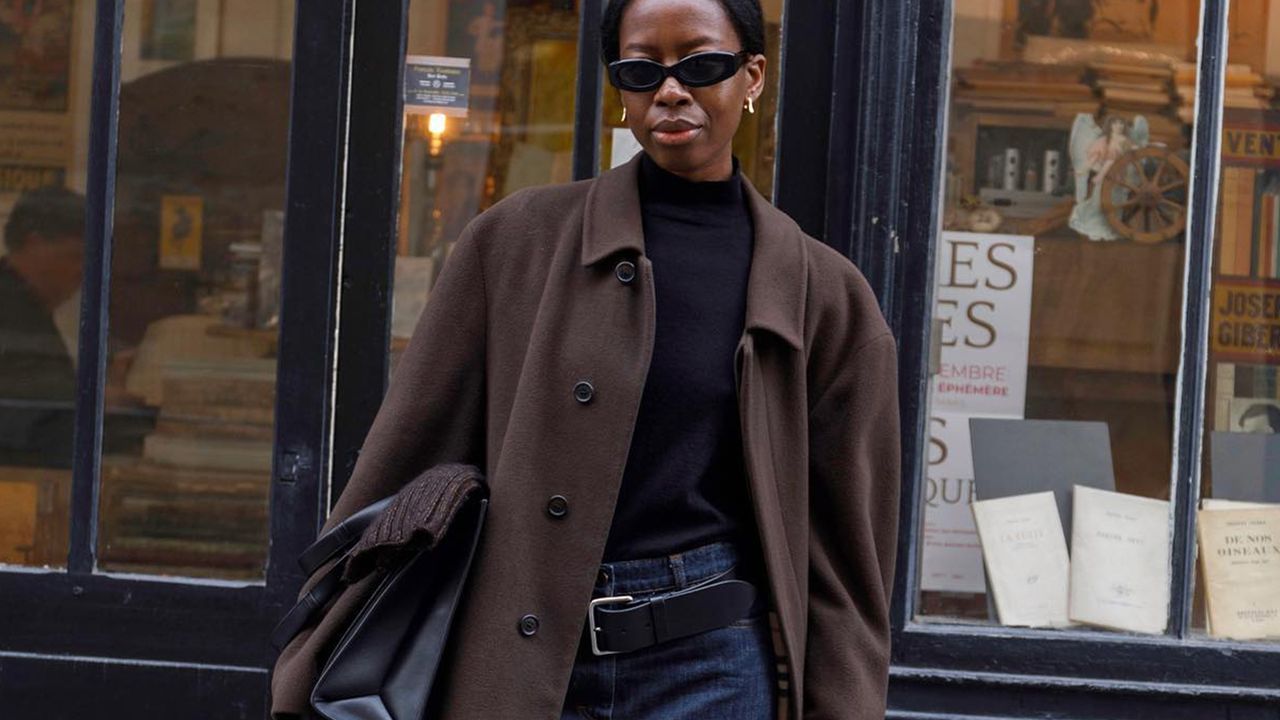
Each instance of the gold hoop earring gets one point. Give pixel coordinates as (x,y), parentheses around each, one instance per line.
(751,106)
(624,113)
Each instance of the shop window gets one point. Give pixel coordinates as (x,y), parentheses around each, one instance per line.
(1238,580)
(1058,314)
(45,68)
(194,295)
(489,109)
(755,143)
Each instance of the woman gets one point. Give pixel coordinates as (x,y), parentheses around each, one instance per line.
(686,409)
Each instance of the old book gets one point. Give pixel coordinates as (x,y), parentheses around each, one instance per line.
(1120,561)
(1240,560)
(1025,553)
(1244,243)
(187,452)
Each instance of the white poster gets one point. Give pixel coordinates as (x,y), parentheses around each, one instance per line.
(983,300)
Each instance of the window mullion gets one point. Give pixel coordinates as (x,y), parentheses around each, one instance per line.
(588,104)
(96,289)
(1206,147)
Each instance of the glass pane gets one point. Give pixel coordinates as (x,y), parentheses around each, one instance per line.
(489,109)
(1058,315)
(754,145)
(46,65)
(204,112)
(1238,588)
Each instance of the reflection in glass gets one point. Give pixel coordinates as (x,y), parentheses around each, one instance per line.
(489,110)
(45,68)
(1238,583)
(1058,297)
(195,278)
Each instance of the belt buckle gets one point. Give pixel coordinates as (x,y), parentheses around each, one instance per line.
(591,616)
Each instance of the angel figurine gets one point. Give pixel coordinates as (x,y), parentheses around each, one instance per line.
(1093,152)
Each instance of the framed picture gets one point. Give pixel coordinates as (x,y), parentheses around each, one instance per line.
(169,30)
(1146,22)
(35,55)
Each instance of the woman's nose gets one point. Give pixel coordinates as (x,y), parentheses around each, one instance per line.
(671,92)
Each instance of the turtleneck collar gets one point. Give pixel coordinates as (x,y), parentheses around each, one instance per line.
(664,186)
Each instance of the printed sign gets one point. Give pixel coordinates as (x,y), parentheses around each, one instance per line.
(1246,320)
(181,231)
(952,555)
(983,301)
(434,84)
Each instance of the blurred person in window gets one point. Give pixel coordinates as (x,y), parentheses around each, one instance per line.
(42,268)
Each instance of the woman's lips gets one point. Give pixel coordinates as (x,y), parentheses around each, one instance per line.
(675,134)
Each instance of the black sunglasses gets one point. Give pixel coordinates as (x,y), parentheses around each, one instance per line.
(696,70)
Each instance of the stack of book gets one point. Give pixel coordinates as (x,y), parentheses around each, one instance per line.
(1244,89)
(1128,88)
(1115,574)
(1019,86)
(195,502)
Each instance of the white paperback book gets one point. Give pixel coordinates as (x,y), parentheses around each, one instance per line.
(1025,552)
(1120,567)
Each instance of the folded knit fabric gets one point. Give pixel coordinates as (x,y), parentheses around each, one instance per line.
(416,519)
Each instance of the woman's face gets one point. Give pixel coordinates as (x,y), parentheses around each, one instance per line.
(687,131)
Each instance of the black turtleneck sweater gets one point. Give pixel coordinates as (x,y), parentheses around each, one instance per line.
(684,483)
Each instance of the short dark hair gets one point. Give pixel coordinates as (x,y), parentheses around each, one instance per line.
(746,16)
(51,212)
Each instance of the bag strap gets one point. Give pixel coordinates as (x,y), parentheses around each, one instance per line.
(340,537)
(336,543)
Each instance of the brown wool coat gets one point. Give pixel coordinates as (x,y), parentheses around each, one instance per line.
(529,304)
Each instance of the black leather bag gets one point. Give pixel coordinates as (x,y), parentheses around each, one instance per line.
(384,665)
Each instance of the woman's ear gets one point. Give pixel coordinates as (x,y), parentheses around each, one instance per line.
(755,75)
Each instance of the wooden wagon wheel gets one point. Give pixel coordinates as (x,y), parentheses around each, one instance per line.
(1144,195)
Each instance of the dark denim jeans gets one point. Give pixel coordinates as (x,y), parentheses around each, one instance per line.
(724,673)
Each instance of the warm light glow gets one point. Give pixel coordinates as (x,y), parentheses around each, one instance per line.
(436,123)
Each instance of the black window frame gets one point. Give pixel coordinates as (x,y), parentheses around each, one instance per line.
(162,644)
(940,659)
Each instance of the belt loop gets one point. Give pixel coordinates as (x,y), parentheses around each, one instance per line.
(658,613)
(676,563)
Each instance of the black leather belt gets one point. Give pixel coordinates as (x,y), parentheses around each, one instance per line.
(621,624)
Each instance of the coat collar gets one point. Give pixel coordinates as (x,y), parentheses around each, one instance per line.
(776,284)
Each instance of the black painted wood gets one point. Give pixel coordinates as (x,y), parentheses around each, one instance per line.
(1203,197)
(309,288)
(960,697)
(804,114)
(589,102)
(96,287)
(910,290)
(371,224)
(132,618)
(62,688)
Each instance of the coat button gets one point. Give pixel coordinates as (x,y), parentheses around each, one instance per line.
(625,271)
(529,625)
(558,506)
(583,392)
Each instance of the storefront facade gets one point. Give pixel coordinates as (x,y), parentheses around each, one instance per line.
(1068,213)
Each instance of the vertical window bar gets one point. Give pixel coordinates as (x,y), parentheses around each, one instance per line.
(1206,151)
(99,211)
(373,207)
(309,287)
(589,103)
(912,283)
(805,107)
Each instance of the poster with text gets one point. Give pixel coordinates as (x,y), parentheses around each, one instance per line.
(983,303)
